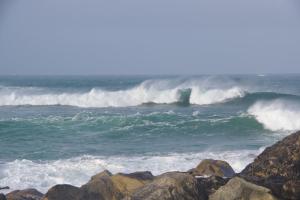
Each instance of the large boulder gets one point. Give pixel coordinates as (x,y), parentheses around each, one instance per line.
(210,167)
(239,189)
(101,187)
(171,186)
(105,186)
(63,192)
(278,168)
(28,194)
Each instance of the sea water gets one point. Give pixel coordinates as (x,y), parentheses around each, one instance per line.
(64,129)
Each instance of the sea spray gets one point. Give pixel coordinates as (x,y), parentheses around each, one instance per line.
(150,91)
(277,115)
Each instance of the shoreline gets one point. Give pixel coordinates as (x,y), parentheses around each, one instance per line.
(274,174)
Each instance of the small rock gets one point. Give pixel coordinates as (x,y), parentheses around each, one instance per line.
(28,194)
(237,189)
(210,167)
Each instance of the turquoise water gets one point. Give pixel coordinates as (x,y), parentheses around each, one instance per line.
(65,129)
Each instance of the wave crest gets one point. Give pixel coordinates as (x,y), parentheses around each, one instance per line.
(150,91)
(277,115)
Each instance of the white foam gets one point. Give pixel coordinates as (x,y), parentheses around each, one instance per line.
(277,115)
(21,174)
(213,96)
(150,91)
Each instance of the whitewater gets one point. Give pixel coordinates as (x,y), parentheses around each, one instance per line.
(159,92)
(65,129)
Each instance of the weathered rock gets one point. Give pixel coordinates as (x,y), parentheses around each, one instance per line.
(63,192)
(212,183)
(2,197)
(239,189)
(144,175)
(278,168)
(101,187)
(292,189)
(209,167)
(128,183)
(171,186)
(113,187)
(28,194)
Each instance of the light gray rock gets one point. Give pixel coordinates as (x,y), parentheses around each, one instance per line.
(239,189)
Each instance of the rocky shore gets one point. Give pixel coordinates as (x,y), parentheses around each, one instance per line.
(274,174)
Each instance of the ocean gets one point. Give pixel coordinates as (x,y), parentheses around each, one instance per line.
(64,129)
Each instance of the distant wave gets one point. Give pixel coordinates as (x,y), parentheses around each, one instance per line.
(277,115)
(21,174)
(150,91)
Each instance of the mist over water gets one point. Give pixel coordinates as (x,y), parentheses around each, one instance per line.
(65,129)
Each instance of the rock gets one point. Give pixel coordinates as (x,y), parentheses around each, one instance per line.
(238,189)
(144,175)
(109,187)
(209,167)
(4,188)
(292,189)
(171,186)
(212,183)
(128,183)
(28,194)
(278,168)
(2,197)
(101,187)
(63,192)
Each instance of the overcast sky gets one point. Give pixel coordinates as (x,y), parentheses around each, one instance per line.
(149,36)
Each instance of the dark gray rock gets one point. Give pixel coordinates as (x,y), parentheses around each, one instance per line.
(28,194)
(63,192)
(212,183)
(2,197)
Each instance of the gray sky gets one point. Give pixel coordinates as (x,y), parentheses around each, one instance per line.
(149,36)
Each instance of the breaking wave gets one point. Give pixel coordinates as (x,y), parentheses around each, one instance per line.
(277,115)
(150,91)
